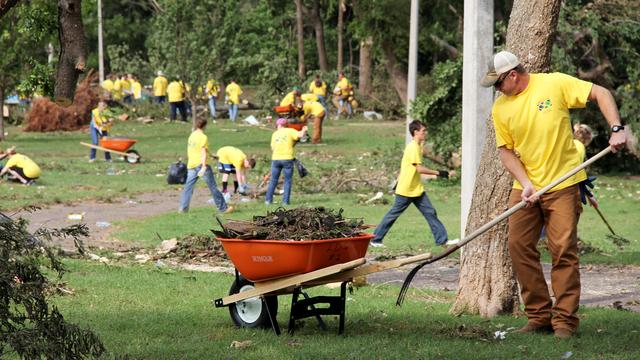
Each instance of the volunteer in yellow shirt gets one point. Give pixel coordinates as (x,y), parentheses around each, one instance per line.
(99,128)
(175,91)
(292,98)
(232,160)
(21,167)
(198,166)
(127,88)
(410,190)
(535,143)
(160,84)
(233,92)
(319,89)
(212,90)
(341,94)
(313,110)
(136,89)
(282,142)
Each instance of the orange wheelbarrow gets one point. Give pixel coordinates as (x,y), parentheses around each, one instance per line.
(120,146)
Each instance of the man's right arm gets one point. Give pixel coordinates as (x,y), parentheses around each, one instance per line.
(513,164)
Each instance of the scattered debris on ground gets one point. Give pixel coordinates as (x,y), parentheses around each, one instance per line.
(295,224)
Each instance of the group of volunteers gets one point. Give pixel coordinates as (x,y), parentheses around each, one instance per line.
(123,87)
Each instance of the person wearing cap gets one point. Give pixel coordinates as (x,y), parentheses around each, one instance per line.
(99,127)
(282,159)
(409,189)
(233,92)
(232,160)
(20,167)
(292,98)
(534,140)
(160,84)
(198,167)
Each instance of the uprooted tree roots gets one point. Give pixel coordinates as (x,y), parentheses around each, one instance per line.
(295,224)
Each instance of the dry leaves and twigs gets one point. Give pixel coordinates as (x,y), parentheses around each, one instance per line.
(294,224)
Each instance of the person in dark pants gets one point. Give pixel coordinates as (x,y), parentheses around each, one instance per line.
(177,103)
(410,190)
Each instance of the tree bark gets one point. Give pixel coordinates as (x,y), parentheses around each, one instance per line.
(341,8)
(1,113)
(318,27)
(366,69)
(300,36)
(72,48)
(487,282)
(6,5)
(397,73)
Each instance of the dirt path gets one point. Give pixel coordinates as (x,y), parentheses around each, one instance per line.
(601,285)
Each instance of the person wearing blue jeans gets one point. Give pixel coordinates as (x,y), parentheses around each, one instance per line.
(282,142)
(99,128)
(409,189)
(197,166)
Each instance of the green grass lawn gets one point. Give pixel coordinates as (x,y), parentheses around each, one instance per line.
(156,313)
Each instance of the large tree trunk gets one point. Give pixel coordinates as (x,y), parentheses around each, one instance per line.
(487,282)
(72,48)
(397,73)
(366,69)
(318,27)
(300,36)
(341,8)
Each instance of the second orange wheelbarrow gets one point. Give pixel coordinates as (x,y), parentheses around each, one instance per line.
(117,145)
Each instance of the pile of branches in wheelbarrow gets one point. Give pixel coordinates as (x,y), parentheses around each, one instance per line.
(294,225)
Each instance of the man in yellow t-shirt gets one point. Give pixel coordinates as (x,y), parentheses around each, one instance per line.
(99,128)
(136,88)
(292,98)
(319,89)
(534,139)
(198,166)
(233,92)
(160,84)
(21,167)
(314,110)
(341,94)
(107,84)
(410,190)
(175,92)
(212,90)
(282,159)
(232,160)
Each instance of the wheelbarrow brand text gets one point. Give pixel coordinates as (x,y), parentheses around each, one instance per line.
(262,258)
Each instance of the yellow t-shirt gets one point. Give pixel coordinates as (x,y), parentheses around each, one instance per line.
(288,99)
(197,140)
(136,87)
(536,125)
(231,155)
(282,142)
(175,90)
(126,86)
(313,107)
(318,90)
(309,97)
(160,84)
(107,85)
(117,92)
(99,121)
(343,86)
(28,166)
(409,182)
(212,88)
(233,92)
(582,151)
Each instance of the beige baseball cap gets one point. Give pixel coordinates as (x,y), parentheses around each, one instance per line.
(500,64)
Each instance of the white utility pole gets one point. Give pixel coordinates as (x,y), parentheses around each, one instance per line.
(476,100)
(100,52)
(413,63)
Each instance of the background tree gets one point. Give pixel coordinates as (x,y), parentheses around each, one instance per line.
(487,284)
(72,59)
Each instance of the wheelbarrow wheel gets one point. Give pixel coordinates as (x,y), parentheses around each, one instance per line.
(251,313)
(134,158)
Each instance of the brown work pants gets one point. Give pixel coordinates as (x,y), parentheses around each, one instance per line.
(317,128)
(559,212)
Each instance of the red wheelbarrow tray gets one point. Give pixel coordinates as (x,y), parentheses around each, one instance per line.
(260,260)
(117,144)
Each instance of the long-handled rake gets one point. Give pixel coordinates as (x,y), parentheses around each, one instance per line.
(492,223)
(617,240)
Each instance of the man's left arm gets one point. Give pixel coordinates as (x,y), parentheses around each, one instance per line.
(609,110)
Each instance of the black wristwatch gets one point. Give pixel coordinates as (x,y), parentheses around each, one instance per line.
(616,128)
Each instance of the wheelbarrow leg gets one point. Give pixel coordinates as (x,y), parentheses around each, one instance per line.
(272,318)
(321,323)
(303,308)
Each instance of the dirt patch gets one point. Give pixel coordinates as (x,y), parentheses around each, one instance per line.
(606,286)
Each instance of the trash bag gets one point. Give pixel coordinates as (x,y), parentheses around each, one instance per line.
(177,173)
(302,171)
